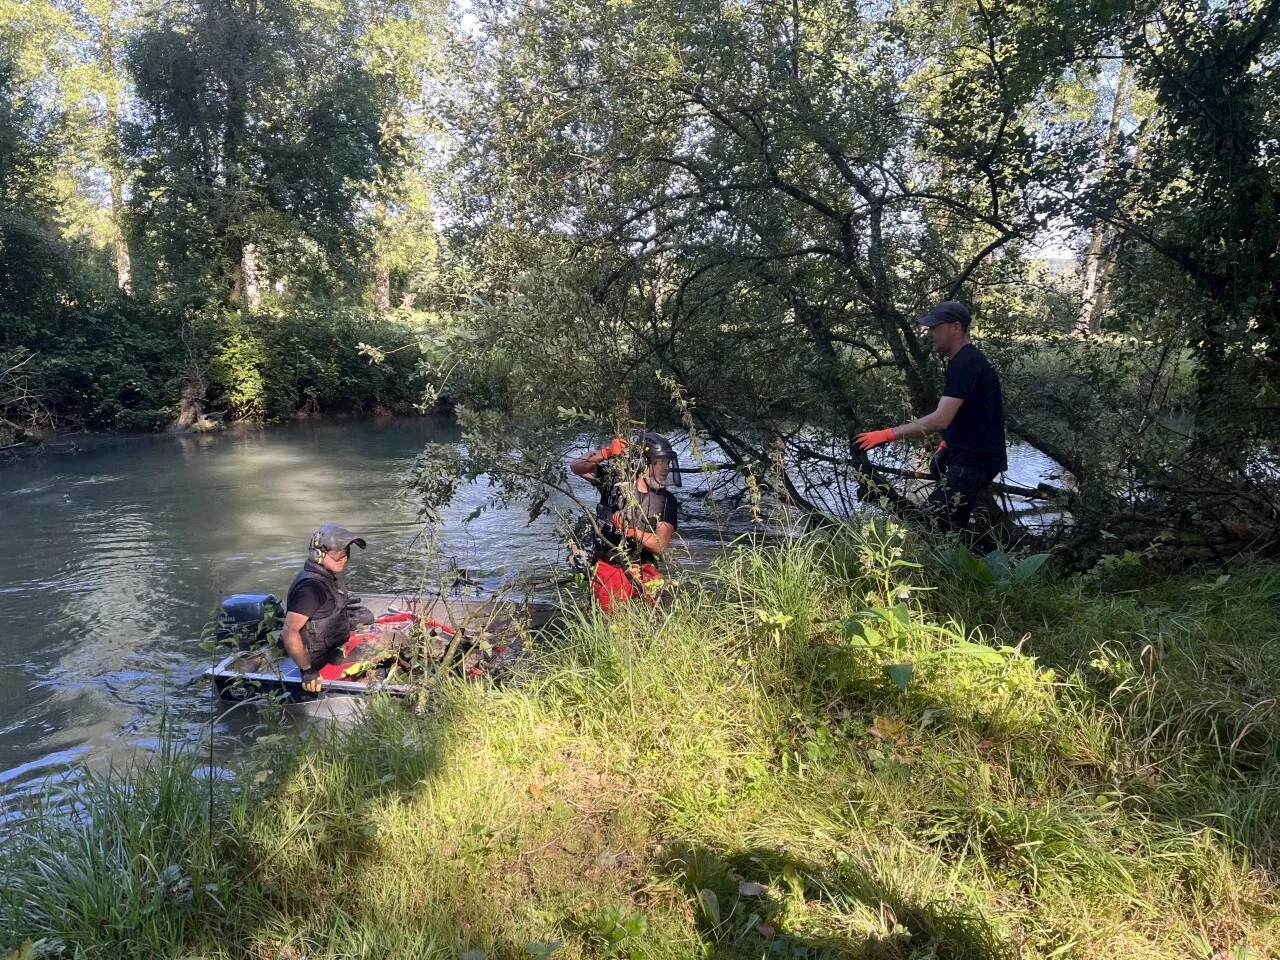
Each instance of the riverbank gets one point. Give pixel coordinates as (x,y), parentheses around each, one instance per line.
(1095,775)
(61,442)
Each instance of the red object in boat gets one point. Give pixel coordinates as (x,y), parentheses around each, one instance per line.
(333,671)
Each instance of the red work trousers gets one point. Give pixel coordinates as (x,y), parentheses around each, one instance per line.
(612,584)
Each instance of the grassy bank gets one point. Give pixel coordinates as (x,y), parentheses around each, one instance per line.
(1075,769)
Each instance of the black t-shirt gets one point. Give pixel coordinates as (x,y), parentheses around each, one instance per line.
(644,513)
(976,435)
(306,598)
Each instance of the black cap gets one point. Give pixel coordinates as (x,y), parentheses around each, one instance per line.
(333,537)
(948,311)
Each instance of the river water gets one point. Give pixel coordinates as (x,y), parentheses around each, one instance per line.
(115,559)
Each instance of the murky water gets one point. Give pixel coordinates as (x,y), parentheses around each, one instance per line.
(115,559)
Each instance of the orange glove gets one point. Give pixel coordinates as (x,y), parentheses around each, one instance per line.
(615,448)
(873,438)
(620,524)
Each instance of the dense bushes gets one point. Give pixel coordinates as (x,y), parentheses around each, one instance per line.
(275,365)
(128,366)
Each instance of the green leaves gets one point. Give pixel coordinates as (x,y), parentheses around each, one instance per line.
(900,674)
(997,570)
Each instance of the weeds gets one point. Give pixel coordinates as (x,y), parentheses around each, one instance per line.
(1066,769)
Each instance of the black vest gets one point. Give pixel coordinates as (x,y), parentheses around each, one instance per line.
(331,625)
(611,545)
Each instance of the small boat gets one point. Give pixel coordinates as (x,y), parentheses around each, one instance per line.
(408,638)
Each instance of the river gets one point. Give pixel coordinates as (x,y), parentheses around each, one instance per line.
(118,556)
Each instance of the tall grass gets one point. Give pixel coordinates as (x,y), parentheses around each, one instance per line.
(1076,768)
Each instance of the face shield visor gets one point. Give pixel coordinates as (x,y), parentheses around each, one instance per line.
(662,463)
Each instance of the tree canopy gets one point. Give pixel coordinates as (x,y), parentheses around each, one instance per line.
(723,215)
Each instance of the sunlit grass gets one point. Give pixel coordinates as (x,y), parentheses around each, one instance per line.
(739,777)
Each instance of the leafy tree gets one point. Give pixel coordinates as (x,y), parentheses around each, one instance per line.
(758,201)
(404,44)
(34,262)
(257,142)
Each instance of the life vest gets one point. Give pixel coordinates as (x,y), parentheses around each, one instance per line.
(331,624)
(640,511)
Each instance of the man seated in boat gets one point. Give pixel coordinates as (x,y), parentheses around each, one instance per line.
(318,620)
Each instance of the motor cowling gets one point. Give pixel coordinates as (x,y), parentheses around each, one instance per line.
(246,619)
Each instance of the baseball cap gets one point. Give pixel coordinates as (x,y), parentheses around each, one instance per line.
(948,311)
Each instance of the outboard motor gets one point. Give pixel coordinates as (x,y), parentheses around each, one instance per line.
(246,618)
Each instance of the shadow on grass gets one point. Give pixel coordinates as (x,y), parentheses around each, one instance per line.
(747,901)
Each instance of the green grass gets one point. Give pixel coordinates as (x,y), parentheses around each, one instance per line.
(1078,768)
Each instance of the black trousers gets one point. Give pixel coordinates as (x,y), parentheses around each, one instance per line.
(958,489)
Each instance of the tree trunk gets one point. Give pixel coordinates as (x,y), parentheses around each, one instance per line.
(1096,271)
(381,268)
(251,272)
(382,287)
(124,264)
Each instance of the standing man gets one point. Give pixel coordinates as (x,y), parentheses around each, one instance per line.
(970,417)
(318,621)
(636,517)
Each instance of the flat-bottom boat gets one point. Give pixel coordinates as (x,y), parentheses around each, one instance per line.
(408,637)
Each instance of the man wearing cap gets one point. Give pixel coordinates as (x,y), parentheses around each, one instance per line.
(970,417)
(318,621)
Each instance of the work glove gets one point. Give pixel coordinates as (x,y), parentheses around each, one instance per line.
(615,448)
(311,680)
(873,438)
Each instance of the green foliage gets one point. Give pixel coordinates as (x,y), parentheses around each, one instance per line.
(35,264)
(273,365)
(225,162)
(112,368)
(126,367)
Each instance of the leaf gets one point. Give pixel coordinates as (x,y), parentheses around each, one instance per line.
(929,714)
(748,888)
(998,563)
(766,931)
(861,634)
(1029,567)
(710,904)
(535,791)
(886,728)
(901,613)
(974,568)
(900,674)
(536,949)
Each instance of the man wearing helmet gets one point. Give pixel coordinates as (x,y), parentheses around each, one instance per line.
(636,517)
(318,621)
